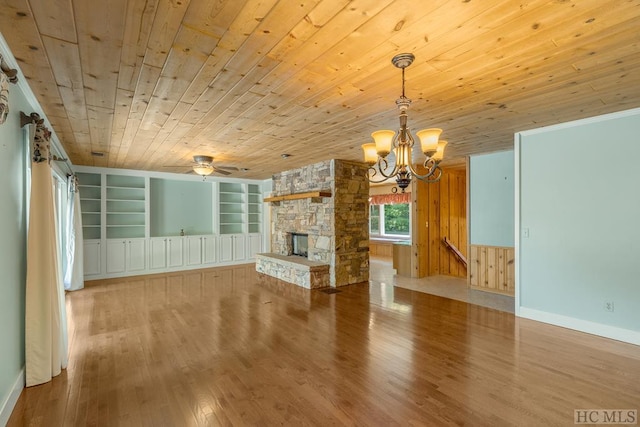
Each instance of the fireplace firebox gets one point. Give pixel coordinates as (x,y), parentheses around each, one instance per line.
(300,244)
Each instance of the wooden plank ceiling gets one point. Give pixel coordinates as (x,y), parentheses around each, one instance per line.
(150,83)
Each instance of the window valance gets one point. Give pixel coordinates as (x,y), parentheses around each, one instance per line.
(390,199)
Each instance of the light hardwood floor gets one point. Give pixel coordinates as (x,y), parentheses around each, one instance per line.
(224,347)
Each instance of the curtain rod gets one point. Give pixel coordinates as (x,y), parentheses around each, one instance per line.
(11,73)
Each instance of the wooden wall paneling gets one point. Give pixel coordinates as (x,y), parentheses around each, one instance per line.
(482,268)
(492,269)
(474,265)
(501,267)
(470,265)
(509,259)
(434,229)
(462,225)
(454,219)
(445,221)
(381,249)
(441,205)
(420,230)
(491,278)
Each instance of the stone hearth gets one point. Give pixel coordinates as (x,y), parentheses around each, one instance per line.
(294,269)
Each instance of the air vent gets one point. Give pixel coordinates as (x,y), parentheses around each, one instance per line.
(97,154)
(330,290)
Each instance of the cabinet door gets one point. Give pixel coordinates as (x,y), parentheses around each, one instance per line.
(226,247)
(194,250)
(174,252)
(91,257)
(116,256)
(158,253)
(136,251)
(239,247)
(208,249)
(254,245)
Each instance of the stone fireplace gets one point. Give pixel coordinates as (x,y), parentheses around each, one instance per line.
(298,244)
(337,226)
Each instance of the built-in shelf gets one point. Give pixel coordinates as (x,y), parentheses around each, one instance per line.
(296,196)
(232,210)
(255,208)
(125,207)
(90,189)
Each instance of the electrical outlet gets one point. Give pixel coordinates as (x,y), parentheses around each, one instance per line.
(525,232)
(608,305)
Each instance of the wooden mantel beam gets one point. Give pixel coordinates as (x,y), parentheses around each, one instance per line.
(296,196)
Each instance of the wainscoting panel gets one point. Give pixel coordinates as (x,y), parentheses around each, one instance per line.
(492,269)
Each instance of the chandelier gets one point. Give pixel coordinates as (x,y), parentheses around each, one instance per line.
(401,143)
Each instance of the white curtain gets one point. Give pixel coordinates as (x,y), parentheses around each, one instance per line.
(74,271)
(45,317)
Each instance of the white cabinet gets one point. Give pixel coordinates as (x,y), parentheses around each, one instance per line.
(116,256)
(175,255)
(91,257)
(209,249)
(136,254)
(166,252)
(125,224)
(254,245)
(158,253)
(124,255)
(194,250)
(200,250)
(232,247)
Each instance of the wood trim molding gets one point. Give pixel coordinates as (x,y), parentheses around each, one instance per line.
(296,196)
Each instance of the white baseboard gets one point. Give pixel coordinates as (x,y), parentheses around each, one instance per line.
(10,402)
(607,331)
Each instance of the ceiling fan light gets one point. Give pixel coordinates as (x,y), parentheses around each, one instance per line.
(429,139)
(203,170)
(370,153)
(383,139)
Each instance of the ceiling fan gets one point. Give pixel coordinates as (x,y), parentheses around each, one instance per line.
(203,166)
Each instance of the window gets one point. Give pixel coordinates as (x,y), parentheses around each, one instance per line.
(390,220)
(374,219)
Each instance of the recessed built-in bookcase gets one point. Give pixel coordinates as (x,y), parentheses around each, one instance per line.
(232,208)
(90,188)
(125,207)
(255,208)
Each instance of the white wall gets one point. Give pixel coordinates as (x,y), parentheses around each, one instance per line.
(12,253)
(491,199)
(579,200)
